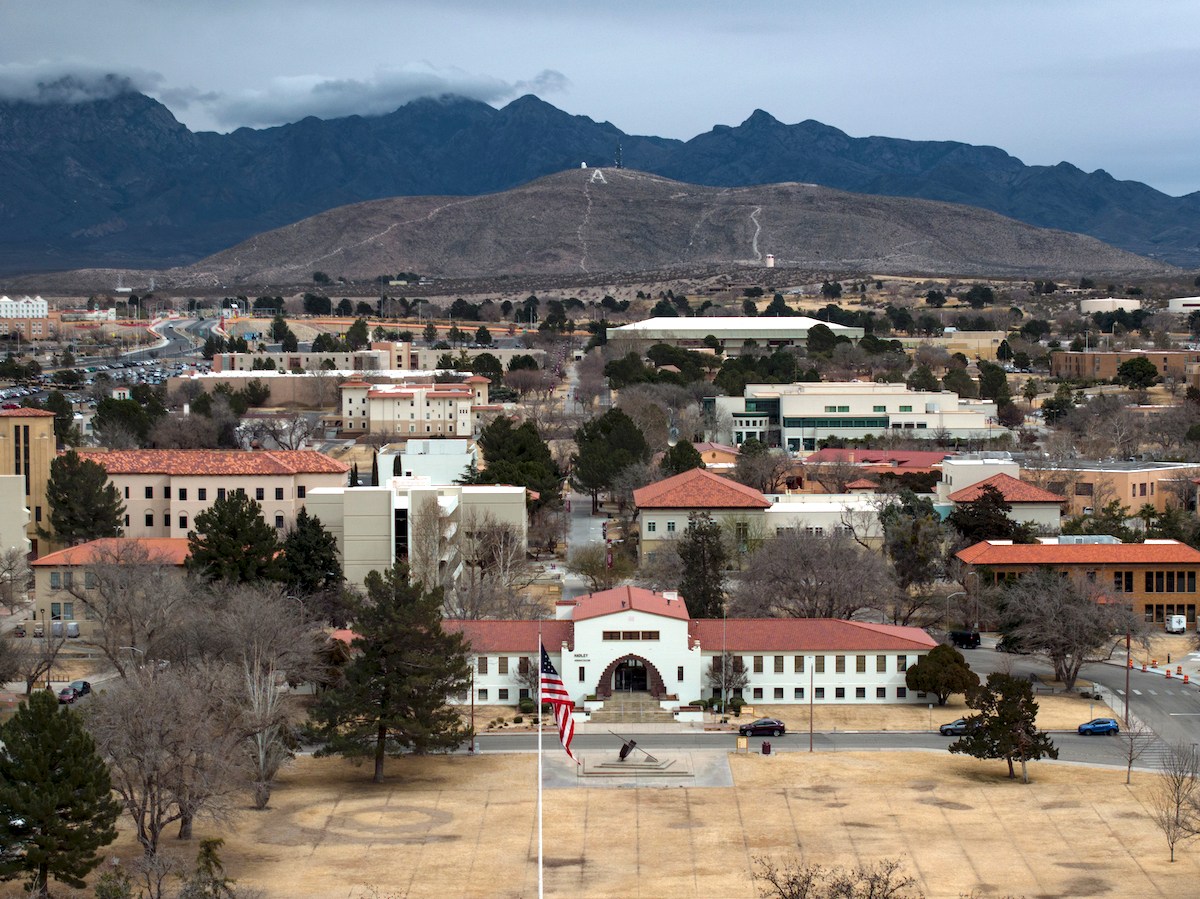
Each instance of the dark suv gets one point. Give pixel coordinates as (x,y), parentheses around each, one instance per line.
(965,639)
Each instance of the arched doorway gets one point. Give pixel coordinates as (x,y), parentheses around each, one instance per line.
(630,673)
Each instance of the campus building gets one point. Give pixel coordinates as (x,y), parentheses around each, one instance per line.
(415,410)
(798,416)
(631,640)
(1090,486)
(27,447)
(164,490)
(1156,578)
(731,334)
(1096,365)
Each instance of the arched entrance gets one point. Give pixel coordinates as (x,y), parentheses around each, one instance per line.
(630,673)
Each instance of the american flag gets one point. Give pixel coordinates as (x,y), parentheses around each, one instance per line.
(555,693)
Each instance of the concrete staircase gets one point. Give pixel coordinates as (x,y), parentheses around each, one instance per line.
(631,708)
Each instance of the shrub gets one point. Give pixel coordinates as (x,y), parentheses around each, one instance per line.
(527,706)
(518,719)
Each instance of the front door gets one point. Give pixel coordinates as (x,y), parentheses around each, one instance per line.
(630,676)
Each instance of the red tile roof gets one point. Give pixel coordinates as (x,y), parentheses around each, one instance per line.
(806,635)
(619,599)
(861,484)
(26,413)
(172,550)
(698,489)
(215,462)
(1013,491)
(897,458)
(512,636)
(994,552)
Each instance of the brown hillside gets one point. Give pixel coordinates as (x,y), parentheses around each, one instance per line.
(585,221)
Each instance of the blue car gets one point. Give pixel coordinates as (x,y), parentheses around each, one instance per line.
(1100,726)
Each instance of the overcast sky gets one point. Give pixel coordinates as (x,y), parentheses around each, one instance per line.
(1111,84)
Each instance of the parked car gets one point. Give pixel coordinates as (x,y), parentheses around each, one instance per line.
(763,727)
(73,691)
(19,630)
(955,728)
(1100,726)
(965,639)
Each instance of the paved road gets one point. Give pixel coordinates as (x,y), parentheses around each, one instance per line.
(583,528)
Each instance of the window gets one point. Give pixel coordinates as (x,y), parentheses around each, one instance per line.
(670,527)
(259,493)
(1123,581)
(860,664)
(1083,489)
(220,493)
(651,527)
(502,665)
(582,674)
(881,692)
(798,664)
(611,635)
(679,673)
(149,493)
(279,521)
(481,665)
(880,664)
(166,519)
(860,692)
(819,693)
(906,408)
(901,663)
(901,692)
(183,522)
(819,664)
(523,665)
(758,692)
(56,611)
(55,580)
(779,664)
(202,493)
(483,695)
(149,519)
(839,664)
(279,493)
(126,521)
(522,693)
(839,692)
(502,694)
(183,493)
(127,492)
(300,492)
(879,408)
(779,692)
(37,513)
(758,664)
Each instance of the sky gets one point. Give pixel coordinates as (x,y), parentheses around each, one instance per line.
(1102,84)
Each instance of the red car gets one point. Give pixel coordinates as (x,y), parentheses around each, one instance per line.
(73,691)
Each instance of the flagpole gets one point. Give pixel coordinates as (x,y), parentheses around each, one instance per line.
(539,764)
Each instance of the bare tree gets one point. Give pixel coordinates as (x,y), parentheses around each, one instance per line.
(1173,802)
(1135,742)
(266,722)
(32,658)
(662,570)
(14,579)
(176,431)
(833,476)
(286,432)
(799,575)
(496,571)
(425,542)
(591,563)
(726,674)
(793,880)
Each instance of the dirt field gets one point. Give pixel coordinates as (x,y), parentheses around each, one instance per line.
(466,827)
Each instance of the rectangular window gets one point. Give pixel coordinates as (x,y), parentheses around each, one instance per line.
(819,664)
(220,493)
(879,408)
(779,664)
(798,693)
(901,663)
(37,513)
(183,522)
(300,492)
(1083,489)
(839,692)
(779,692)
(758,664)
(860,692)
(880,664)
(149,493)
(630,635)
(758,692)
(502,665)
(1159,581)
(127,492)
(1191,582)
(649,635)
(279,522)
(798,664)
(149,519)
(126,521)
(166,519)
(839,664)
(202,493)
(523,665)
(55,580)
(901,692)
(183,493)
(55,611)
(481,665)
(279,493)
(679,673)
(651,527)
(1170,581)
(819,693)
(502,694)
(582,674)
(670,527)
(881,692)
(611,635)
(483,695)
(259,494)
(860,664)
(906,408)
(522,693)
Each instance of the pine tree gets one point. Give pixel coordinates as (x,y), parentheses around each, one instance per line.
(1005,727)
(309,560)
(703,555)
(375,469)
(83,504)
(944,670)
(232,542)
(680,458)
(56,796)
(392,697)
(354,475)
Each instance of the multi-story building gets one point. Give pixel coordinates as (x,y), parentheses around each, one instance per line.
(442,461)
(663,508)
(797,416)
(415,410)
(633,640)
(27,447)
(731,334)
(416,521)
(164,490)
(1156,578)
(14,515)
(1029,504)
(1090,486)
(1096,365)
(382,356)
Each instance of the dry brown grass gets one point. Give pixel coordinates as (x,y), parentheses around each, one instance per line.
(464,826)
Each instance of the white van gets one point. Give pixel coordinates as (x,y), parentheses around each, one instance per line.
(1176,624)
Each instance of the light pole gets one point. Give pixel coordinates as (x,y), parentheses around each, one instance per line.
(948,598)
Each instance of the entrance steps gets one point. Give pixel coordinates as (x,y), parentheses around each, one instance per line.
(631,708)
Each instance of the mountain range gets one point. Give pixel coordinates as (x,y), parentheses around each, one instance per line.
(119,182)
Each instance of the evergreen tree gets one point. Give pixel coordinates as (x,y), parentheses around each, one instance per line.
(680,458)
(944,670)
(308,562)
(703,555)
(232,542)
(923,378)
(55,794)
(354,475)
(518,455)
(358,334)
(1005,727)
(986,518)
(606,446)
(375,469)
(84,505)
(65,432)
(290,343)
(392,697)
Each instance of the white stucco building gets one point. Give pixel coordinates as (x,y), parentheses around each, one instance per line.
(26,307)
(442,461)
(732,333)
(415,410)
(633,640)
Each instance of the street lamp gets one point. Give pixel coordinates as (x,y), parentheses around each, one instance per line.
(948,598)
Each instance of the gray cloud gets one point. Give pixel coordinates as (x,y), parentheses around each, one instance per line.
(294,98)
(70,83)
